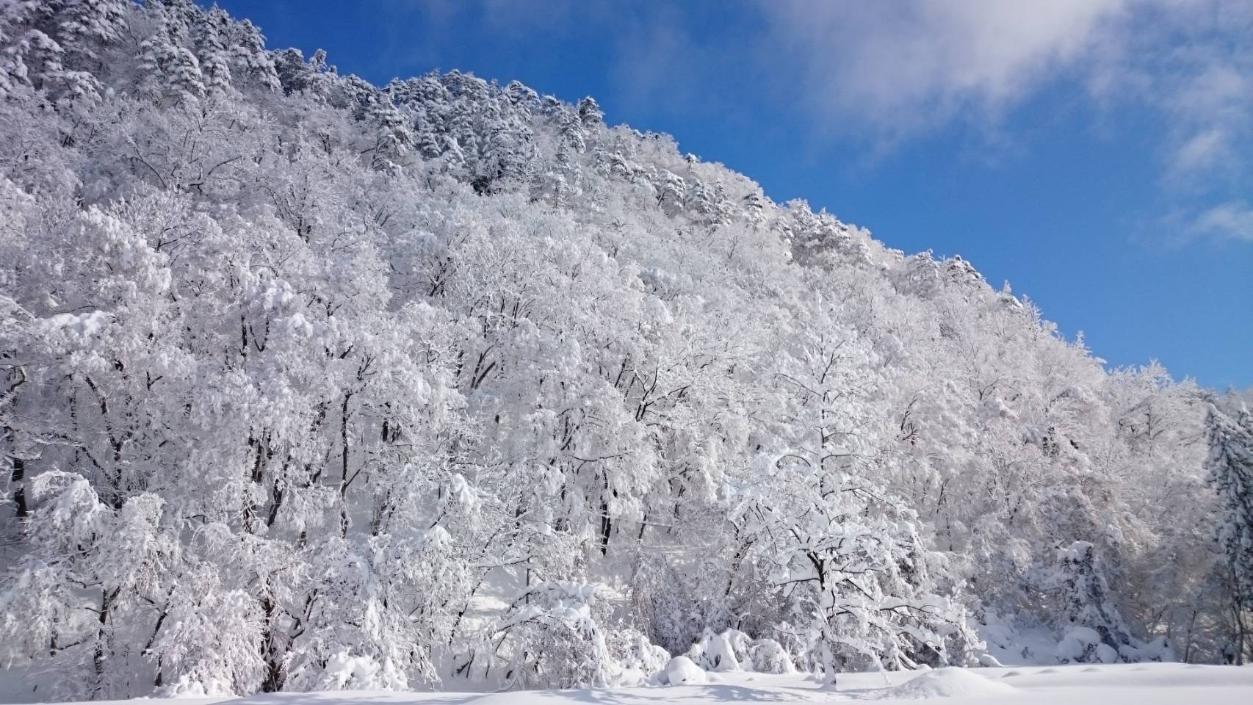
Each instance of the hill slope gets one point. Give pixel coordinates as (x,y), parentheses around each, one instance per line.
(457,383)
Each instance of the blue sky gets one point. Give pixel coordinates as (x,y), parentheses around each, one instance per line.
(1096,154)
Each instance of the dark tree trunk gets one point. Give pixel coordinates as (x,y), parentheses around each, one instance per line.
(101,654)
(18,480)
(274,676)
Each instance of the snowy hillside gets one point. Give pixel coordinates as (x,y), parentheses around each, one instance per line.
(308,384)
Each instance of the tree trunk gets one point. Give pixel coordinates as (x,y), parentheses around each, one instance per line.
(101,653)
(343,477)
(18,480)
(274,676)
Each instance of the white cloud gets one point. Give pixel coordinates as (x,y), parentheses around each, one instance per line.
(1198,152)
(1209,104)
(1230,221)
(890,70)
(903,66)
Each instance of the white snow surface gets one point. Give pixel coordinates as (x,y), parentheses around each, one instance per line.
(1122,684)
(951,683)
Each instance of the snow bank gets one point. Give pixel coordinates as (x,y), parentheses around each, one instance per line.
(989,661)
(948,683)
(1117,684)
(683,671)
(186,688)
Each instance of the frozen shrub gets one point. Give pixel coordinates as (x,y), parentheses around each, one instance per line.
(681,670)
(769,656)
(551,637)
(636,659)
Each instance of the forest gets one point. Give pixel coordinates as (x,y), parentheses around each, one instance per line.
(309,384)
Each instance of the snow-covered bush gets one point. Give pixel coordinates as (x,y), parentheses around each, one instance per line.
(558,634)
(553,636)
(723,651)
(636,659)
(1085,645)
(343,671)
(682,670)
(733,650)
(769,656)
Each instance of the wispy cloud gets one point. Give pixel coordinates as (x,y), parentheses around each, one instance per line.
(1232,220)
(895,68)
(892,71)
(1198,152)
(912,64)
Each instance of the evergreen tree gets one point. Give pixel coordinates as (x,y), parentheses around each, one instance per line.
(1230,467)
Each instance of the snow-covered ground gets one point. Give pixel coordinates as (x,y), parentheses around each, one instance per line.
(1133,684)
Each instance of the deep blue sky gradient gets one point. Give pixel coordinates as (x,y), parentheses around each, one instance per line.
(1064,201)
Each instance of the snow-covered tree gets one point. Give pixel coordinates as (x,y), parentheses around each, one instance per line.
(1230,466)
(308,383)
